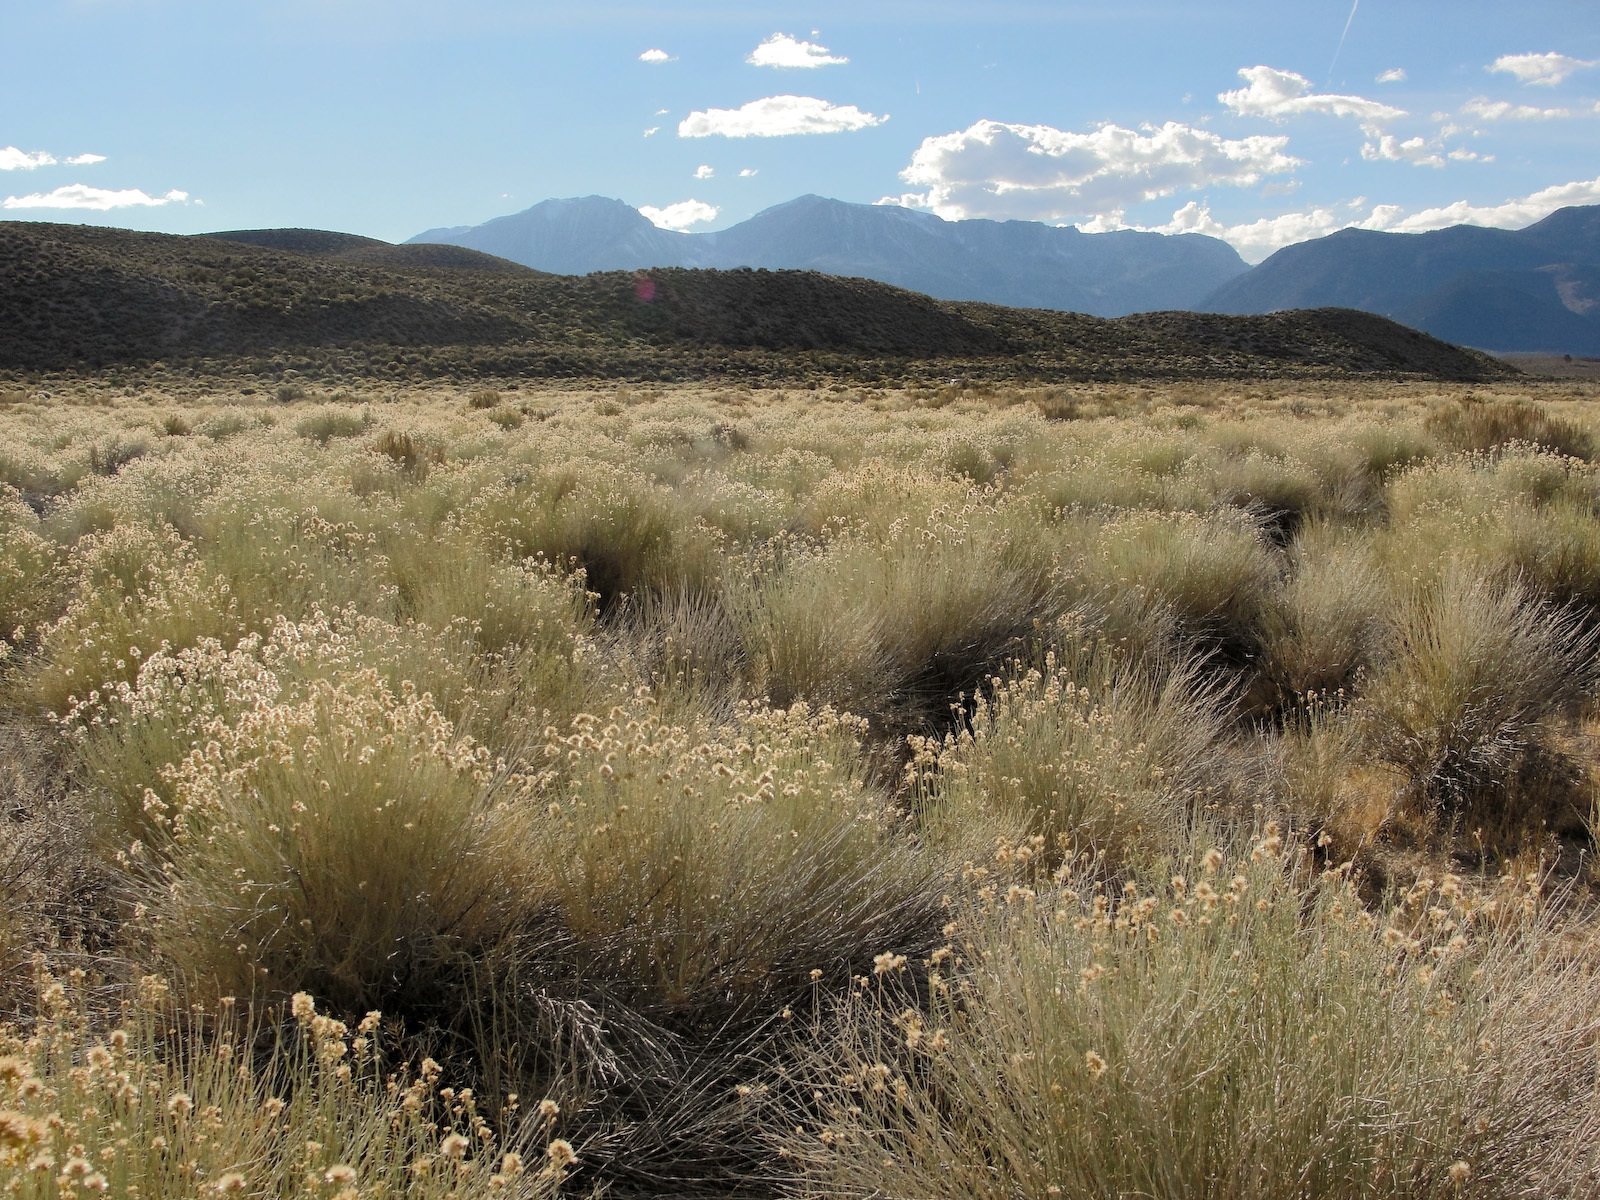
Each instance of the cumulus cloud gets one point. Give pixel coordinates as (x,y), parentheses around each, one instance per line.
(747,172)
(656,56)
(85,160)
(1254,240)
(778,116)
(703,172)
(782,50)
(1278,95)
(652,131)
(1415,151)
(12,159)
(681,215)
(1037,173)
(1393,75)
(1513,214)
(1541,70)
(76,195)
(1504,110)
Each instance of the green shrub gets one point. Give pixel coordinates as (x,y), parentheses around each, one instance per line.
(1328,624)
(325,424)
(1050,766)
(700,868)
(1262,1038)
(1479,669)
(336,837)
(1472,423)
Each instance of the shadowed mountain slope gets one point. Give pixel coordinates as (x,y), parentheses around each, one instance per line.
(78,297)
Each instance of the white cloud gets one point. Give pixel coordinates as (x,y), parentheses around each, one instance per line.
(85,160)
(1277,95)
(681,215)
(1417,151)
(1254,240)
(703,172)
(1036,173)
(1504,110)
(782,50)
(76,195)
(747,172)
(654,129)
(777,116)
(12,159)
(1513,214)
(1543,70)
(1393,75)
(656,56)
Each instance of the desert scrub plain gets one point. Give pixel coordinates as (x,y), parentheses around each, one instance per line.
(1183,790)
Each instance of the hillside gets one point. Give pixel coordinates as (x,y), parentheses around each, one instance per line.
(1020,263)
(76,297)
(1530,290)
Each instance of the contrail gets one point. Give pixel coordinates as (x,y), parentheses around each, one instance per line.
(1342,37)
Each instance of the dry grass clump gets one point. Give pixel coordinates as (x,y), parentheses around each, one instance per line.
(1203,582)
(626,533)
(1474,423)
(29,582)
(1479,673)
(900,625)
(1225,1028)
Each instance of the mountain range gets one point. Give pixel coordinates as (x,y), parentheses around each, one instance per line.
(1022,264)
(1532,290)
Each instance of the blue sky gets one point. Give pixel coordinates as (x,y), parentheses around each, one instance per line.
(387,117)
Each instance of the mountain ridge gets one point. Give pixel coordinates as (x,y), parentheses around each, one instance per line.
(1018,263)
(1531,290)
